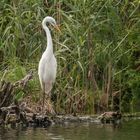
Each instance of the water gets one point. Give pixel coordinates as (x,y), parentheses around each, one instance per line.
(129,130)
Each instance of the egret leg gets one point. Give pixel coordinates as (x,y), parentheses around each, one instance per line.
(43,103)
(43,93)
(48,88)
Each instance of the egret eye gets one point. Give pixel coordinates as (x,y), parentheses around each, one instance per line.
(47,24)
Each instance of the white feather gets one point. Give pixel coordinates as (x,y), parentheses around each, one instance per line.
(47,64)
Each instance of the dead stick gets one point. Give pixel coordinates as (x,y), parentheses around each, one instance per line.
(23,82)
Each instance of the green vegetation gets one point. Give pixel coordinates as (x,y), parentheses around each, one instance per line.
(98,52)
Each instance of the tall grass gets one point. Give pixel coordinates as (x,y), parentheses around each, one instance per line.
(97,52)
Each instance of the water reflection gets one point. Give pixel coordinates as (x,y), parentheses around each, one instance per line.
(79,131)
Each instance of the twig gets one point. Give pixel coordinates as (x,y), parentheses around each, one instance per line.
(23,82)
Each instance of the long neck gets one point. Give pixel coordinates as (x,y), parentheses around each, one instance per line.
(49,39)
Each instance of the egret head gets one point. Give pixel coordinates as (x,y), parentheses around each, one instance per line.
(51,21)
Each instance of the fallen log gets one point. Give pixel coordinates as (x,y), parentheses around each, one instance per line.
(7,107)
(17,114)
(12,112)
(7,89)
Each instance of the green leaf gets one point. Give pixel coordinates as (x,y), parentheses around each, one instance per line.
(19,96)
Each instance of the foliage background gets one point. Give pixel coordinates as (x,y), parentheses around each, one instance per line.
(98,52)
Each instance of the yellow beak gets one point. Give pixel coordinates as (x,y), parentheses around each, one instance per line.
(57,28)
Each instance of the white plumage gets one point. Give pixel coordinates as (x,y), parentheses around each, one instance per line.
(47,71)
(47,64)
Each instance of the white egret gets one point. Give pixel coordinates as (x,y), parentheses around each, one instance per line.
(47,64)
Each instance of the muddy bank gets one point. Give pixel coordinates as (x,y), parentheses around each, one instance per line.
(19,115)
